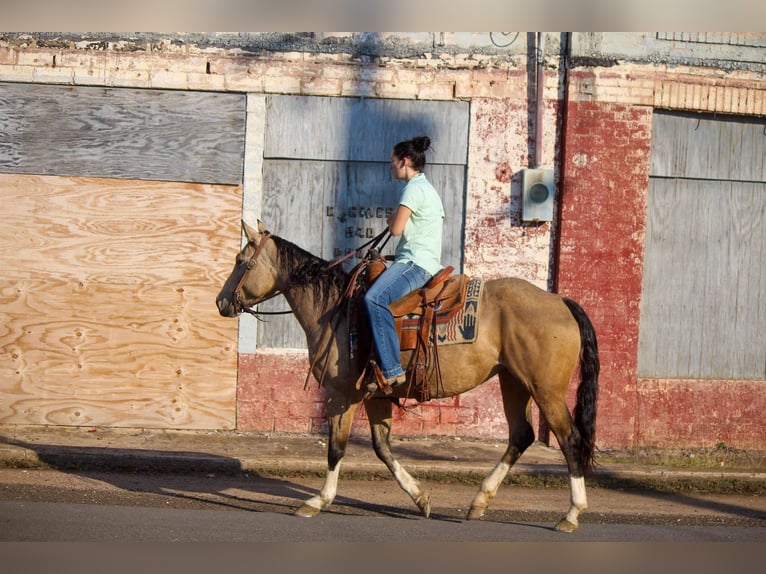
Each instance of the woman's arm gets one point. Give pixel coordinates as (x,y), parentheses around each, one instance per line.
(399,220)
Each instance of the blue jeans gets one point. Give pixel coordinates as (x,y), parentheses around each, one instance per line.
(393,283)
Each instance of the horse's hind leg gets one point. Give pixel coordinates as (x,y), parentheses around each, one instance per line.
(339,430)
(379,415)
(560,422)
(516,400)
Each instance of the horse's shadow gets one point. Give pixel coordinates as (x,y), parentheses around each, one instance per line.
(195,477)
(220,481)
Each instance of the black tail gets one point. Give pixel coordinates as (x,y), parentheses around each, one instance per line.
(587,391)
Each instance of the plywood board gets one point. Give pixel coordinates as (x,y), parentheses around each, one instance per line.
(704,146)
(702,306)
(107,303)
(122,133)
(363,129)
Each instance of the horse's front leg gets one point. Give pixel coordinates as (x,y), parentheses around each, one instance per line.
(379,415)
(339,430)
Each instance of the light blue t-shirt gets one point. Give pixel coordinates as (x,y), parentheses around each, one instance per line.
(421,241)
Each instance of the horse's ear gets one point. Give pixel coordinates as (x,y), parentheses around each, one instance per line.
(261,227)
(251,234)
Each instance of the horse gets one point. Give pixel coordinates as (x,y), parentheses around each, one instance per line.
(532,340)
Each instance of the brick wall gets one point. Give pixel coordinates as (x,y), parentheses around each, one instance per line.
(674,88)
(700,413)
(603,211)
(270,391)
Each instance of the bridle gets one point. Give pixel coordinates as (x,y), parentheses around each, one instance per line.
(237,295)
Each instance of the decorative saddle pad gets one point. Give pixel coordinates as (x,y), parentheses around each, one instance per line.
(458,326)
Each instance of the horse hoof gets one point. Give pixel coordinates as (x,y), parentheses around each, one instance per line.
(565,526)
(424,504)
(475,513)
(307,511)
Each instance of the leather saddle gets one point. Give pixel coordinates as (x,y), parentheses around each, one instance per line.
(415,316)
(436,302)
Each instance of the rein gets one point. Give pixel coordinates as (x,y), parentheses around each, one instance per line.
(325,338)
(372,244)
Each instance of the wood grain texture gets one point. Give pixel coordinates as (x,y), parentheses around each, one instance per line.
(363,129)
(122,133)
(333,208)
(702,308)
(107,303)
(703,146)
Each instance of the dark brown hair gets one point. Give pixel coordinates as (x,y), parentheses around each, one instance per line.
(415,149)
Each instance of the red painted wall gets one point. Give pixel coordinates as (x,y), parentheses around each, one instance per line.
(601,244)
(271,398)
(600,264)
(683,413)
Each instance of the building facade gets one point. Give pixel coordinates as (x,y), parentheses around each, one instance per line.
(129,160)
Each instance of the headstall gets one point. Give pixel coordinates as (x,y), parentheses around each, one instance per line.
(238,290)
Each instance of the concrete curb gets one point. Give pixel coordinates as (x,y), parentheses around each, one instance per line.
(230,452)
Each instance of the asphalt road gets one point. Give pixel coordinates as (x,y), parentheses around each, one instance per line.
(67,522)
(53,506)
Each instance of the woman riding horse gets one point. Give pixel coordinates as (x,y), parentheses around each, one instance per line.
(418,219)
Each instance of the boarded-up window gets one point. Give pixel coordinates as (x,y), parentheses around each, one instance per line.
(122,133)
(109,276)
(327,184)
(703,307)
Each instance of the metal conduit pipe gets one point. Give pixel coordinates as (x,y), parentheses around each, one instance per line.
(539,103)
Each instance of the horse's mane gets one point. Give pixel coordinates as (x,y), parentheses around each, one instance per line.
(306,269)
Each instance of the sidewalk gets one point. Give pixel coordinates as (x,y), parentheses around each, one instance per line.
(274,453)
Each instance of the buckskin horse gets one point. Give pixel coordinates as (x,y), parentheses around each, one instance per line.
(532,340)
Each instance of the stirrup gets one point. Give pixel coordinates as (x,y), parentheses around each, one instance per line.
(382,383)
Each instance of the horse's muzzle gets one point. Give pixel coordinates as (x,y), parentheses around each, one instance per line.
(226,307)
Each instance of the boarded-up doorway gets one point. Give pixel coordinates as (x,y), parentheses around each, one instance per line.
(703,307)
(327,185)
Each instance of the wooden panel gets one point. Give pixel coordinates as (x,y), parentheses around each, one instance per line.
(704,289)
(332,208)
(329,209)
(327,184)
(122,133)
(703,146)
(294,198)
(360,129)
(107,303)
(704,280)
(449,180)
